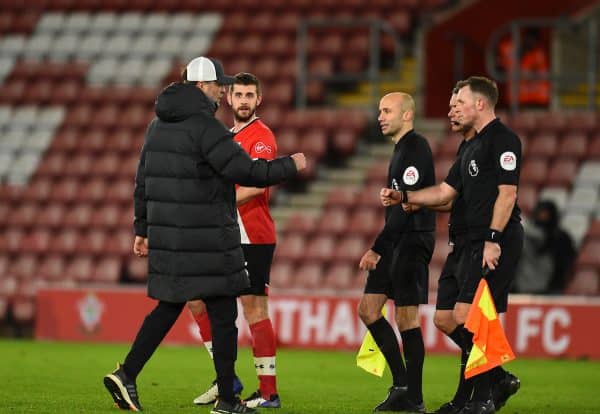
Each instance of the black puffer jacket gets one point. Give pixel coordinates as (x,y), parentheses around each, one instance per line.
(185,198)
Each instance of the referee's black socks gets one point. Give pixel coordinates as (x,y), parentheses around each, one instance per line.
(414,355)
(386,340)
(465,387)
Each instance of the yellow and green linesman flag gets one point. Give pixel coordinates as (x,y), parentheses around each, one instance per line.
(369,355)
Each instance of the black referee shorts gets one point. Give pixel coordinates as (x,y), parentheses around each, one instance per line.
(259,258)
(499,280)
(402,273)
(451,278)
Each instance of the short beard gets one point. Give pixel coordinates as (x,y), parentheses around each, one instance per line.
(238,118)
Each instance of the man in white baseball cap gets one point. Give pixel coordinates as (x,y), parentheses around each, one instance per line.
(209,76)
(202,69)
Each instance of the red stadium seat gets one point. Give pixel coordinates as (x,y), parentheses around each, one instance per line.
(39,190)
(37,241)
(562,173)
(594,147)
(13,92)
(589,255)
(65,242)
(107,270)
(368,196)
(585,282)
(80,269)
(333,221)
(24,266)
(65,191)
(120,243)
(366,222)
(120,141)
(137,269)
(107,166)
(309,276)
(320,248)
(543,146)
(79,216)
(534,171)
(93,242)
(52,267)
(302,224)
(66,92)
(449,146)
(527,196)
(339,277)
(552,122)
(281,275)
(594,230)
(350,249)
(24,216)
(442,168)
(79,165)
(524,121)
(52,165)
(8,286)
(287,142)
(79,116)
(107,216)
(341,197)
(23,310)
(93,141)
(291,248)
(93,191)
(377,174)
(105,116)
(120,191)
(583,122)
(11,240)
(573,146)
(66,140)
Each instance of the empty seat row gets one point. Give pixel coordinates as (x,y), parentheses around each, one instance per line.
(66,242)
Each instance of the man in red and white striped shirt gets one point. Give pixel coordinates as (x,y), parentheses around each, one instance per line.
(257,233)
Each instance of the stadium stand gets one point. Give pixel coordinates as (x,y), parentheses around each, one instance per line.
(77,84)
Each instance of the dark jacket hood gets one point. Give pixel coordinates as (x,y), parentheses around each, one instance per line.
(179,101)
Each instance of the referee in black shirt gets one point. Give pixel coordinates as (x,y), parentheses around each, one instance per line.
(398,261)
(487,176)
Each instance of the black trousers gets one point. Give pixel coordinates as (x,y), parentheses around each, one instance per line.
(222,312)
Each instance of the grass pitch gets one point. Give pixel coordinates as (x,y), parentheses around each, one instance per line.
(48,377)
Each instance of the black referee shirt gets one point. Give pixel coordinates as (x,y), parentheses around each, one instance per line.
(411,168)
(490,159)
(457,225)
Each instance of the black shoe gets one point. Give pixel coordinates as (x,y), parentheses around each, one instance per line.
(449,408)
(478,407)
(122,390)
(504,389)
(398,401)
(224,407)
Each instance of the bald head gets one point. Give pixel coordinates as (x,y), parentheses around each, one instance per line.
(405,102)
(396,114)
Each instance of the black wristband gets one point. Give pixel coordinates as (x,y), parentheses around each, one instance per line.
(493,236)
(403,196)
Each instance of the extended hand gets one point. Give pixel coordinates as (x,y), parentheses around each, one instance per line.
(140,246)
(369,260)
(491,255)
(389,197)
(299,160)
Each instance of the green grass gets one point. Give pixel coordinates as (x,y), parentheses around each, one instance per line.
(48,377)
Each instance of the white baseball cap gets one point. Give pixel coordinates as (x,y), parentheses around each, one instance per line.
(203,69)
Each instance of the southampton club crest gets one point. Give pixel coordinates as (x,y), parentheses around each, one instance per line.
(473,168)
(90,312)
